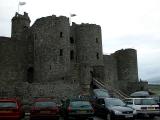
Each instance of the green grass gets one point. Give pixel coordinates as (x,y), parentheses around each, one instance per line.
(154,88)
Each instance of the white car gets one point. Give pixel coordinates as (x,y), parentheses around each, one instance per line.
(143,106)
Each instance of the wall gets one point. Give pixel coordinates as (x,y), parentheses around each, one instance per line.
(27,91)
(110,70)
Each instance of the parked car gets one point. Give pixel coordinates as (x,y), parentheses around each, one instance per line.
(143,106)
(44,108)
(97,93)
(10,109)
(112,109)
(77,108)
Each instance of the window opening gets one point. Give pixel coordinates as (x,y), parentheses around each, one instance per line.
(97,55)
(61,52)
(61,34)
(72,55)
(71,40)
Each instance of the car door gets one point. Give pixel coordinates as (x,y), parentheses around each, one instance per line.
(100,107)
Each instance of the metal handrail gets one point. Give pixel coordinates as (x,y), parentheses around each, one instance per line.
(118,92)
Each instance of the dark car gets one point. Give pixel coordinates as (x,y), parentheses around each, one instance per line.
(44,108)
(113,108)
(10,109)
(77,109)
(97,93)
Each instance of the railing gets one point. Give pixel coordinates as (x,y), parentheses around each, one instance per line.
(111,89)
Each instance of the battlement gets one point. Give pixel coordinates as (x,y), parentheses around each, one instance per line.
(51,19)
(4,38)
(19,16)
(87,26)
(125,50)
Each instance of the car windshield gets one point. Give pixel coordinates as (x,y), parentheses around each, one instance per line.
(80,104)
(8,105)
(145,102)
(115,102)
(101,93)
(44,104)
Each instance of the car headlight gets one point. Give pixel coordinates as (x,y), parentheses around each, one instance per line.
(134,112)
(117,112)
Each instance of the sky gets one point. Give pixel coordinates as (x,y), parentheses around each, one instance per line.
(125,24)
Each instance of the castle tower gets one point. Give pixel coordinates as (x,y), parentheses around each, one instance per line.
(89,44)
(127,67)
(19,24)
(51,48)
(88,50)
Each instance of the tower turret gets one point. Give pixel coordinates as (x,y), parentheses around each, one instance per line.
(19,24)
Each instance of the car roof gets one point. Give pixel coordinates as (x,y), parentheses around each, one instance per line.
(138,98)
(43,100)
(9,99)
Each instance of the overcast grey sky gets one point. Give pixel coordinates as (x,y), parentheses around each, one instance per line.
(125,24)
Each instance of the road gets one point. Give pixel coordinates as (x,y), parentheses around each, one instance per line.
(97,118)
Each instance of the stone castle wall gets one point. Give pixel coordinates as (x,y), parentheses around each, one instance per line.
(51,53)
(27,91)
(110,69)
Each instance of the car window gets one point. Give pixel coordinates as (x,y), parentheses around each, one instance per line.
(129,101)
(137,102)
(8,105)
(78,104)
(148,102)
(100,101)
(44,104)
(101,93)
(115,102)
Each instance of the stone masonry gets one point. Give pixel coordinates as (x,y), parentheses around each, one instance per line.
(52,58)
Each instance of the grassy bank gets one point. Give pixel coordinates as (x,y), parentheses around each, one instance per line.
(154,88)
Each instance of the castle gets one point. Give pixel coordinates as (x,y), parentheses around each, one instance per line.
(51,57)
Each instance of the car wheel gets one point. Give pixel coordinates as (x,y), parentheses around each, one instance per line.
(151,116)
(109,116)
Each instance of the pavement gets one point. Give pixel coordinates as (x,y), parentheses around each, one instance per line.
(98,118)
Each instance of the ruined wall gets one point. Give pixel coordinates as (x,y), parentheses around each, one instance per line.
(51,48)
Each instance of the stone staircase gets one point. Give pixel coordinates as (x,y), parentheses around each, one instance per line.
(112,91)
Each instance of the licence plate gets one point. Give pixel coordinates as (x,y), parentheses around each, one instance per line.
(82,112)
(45,112)
(129,116)
(151,108)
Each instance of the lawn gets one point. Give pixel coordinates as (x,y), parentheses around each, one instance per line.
(154,88)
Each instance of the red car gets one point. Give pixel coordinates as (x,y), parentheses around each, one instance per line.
(10,109)
(44,108)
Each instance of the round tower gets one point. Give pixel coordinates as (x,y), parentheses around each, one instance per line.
(89,52)
(51,46)
(89,44)
(127,65)
(19,24)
